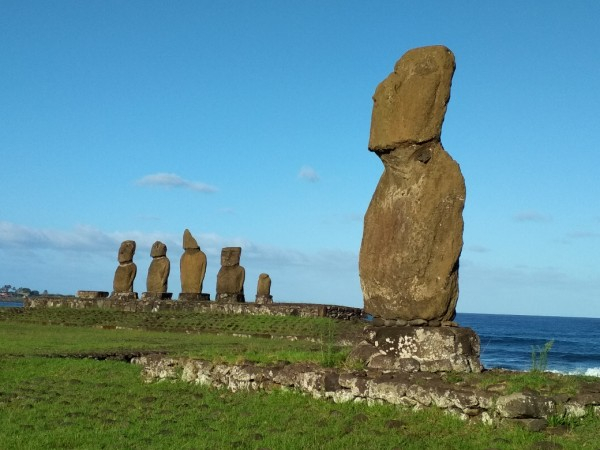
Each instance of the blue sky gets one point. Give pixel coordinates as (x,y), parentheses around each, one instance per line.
(248,123)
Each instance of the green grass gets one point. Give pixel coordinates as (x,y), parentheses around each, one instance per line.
(51,402)
(507,382)
(64,403)
(55,340)
(182,321)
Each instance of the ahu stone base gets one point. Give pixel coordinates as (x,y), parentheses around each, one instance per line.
(157,295)
(124,296)
(230,298)
(92,294)
(194,297)
(264,299)
(419,349)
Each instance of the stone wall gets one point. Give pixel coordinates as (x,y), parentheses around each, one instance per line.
(152,305)
(416,390)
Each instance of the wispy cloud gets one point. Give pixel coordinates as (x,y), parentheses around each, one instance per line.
(171,180)
(309,174)
(82,238)
(531,216)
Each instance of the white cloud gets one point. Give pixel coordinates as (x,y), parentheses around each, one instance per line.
(82,238)
(309,174)
(171,180)
(531,216)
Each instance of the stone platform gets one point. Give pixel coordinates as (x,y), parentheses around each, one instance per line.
(419,349)
(151,305)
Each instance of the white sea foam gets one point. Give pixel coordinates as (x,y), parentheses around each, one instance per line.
(589,372)
(593,372)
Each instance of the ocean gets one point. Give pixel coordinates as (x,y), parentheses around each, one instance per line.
(507,340)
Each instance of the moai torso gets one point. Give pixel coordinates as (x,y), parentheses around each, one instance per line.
(412,235)
(127,270)
(192,265)
(160,267)
(264,285)
(263,289)
(230,279)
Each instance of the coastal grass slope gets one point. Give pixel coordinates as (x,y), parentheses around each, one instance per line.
(60,389)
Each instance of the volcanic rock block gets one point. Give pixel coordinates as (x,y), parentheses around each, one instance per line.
(92,294)
(158,272)
(412,236)
(424,349)
(192,265)
(125,273)
(230,279)
(263,289)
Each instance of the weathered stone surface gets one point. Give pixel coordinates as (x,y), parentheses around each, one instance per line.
(274,309)
(230,279)
(428,349)
(263,289)
(522,405)
(92,294)
(192,265)
(412,236)
(127,270)
(159,270)
(123,296)
(157,295)
(418,390)
(194,297)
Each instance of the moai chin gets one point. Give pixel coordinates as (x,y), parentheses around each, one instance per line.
(230,279)
(125,273)
(263,290)
(192,267)
(412,237)
(158,273)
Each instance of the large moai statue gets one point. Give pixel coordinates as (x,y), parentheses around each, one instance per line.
(413,228)
(158,273)
(192,266)
(230,279)
(412,236)
(263,290)
(125,273)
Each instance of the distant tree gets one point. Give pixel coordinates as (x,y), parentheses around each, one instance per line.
(45,292)
(34,293)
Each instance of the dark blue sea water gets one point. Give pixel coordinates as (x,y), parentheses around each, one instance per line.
(507,340)
(11,304)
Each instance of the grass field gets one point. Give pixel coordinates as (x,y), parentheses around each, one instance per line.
(52,396)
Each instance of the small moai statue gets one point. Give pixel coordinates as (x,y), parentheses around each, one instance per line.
(263,290)
(158,273)
(125,273)
(230,279)
(192,269)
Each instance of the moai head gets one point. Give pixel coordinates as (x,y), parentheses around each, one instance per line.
(188,241)
(158,249)
(230,256)
(410,104)
(126,251)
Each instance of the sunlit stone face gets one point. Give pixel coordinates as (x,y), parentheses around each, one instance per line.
(230,256)
(126,251)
